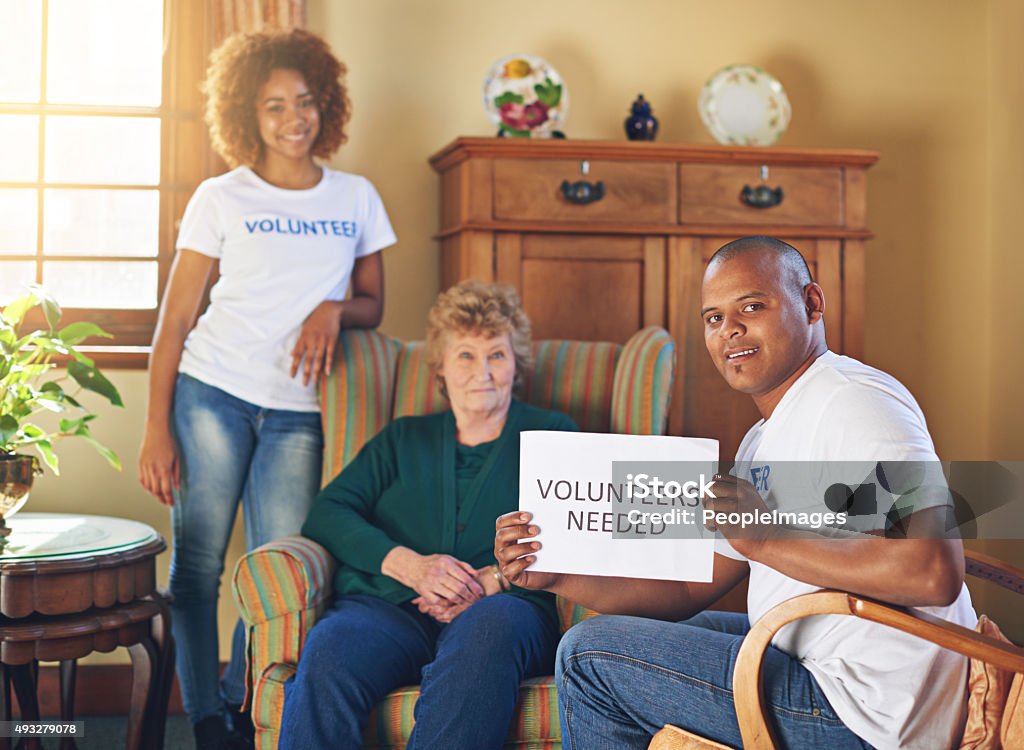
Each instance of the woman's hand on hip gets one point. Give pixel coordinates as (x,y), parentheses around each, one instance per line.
(314,351)
(159,466)
(515,556)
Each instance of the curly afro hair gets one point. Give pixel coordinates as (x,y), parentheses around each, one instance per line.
(243,63)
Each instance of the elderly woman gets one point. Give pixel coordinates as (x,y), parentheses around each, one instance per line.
(411,520)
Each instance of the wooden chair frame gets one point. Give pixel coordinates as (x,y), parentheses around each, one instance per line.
(748,692)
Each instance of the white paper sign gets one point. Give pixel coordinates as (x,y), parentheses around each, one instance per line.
(566,481)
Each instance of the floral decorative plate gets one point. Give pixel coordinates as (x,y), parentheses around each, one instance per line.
(525,97)
(743,105)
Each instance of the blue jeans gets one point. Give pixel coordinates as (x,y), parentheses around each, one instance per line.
(231,452)
(621,679)
(469,672)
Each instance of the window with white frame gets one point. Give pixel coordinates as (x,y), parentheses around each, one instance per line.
(87,115)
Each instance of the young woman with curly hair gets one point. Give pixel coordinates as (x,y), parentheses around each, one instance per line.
(233,414)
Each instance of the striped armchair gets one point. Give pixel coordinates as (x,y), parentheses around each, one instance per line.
(282,587)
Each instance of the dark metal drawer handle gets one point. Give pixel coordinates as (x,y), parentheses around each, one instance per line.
(582,192)
(761,196)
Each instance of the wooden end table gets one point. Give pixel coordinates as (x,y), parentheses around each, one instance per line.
(74,584)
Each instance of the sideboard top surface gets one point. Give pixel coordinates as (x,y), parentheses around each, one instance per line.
(466,147)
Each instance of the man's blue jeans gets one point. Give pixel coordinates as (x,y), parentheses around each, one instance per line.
(469,672)
(621,679)
(231,452)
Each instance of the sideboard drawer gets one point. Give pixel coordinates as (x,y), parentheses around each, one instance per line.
(634,192)
(711,194)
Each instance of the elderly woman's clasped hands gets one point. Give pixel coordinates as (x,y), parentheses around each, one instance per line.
(446,585)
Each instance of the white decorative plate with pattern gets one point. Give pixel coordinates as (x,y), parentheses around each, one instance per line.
(742,105)
(525,97)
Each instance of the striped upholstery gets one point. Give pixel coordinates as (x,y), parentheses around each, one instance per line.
(416,392)
(571,613)
(575,377)
(268,703)
(643,382)
(292,574)
(281,593)
(355,400)
(283,586)
(534,725)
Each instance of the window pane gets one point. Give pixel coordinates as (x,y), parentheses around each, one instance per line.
(115,150)
(20,53)
(18,211)
(15,276)
(104,52)
(101,222)
(102,285)
(19,148)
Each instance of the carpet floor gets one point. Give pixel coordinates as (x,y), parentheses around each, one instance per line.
(107,733)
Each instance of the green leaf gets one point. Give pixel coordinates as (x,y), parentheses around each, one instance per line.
(47,344)
(49,457)
(52,391)
(32,431)
(92,380)
(17,308)
(76,333)
(509,97)
(8,428)
(112,458)
(50,307)
(70,425)
(27,372)
(79,357)
(50,404)
(549,92)
(514,131)
(76,426)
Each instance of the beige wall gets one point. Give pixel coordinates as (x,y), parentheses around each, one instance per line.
(934,85)
(907,79)
(1005,320)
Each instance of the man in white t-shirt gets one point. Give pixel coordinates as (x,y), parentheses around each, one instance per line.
(830,681)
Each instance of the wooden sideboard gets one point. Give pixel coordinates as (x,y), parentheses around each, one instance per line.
(516,210)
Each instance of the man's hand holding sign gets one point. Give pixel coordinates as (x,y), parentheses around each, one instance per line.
(730,501)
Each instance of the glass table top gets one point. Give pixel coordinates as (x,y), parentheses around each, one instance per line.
(66,536)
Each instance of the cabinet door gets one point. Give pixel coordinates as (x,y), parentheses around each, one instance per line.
(585,287)
(703,405)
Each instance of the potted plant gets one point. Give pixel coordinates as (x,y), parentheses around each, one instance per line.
(41,371)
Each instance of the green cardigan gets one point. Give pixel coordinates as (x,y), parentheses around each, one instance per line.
(400,490)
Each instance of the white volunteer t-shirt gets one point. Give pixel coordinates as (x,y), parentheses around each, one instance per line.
(891,689)
(282,253)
